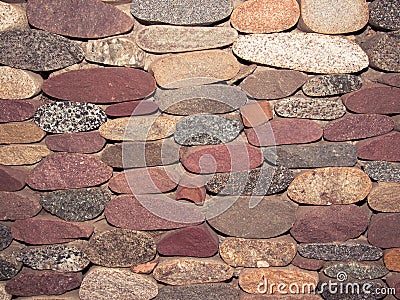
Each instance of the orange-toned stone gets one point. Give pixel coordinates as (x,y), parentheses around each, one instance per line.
(391,258)
(257,113)
(385,197)
(145,268)
(20,133)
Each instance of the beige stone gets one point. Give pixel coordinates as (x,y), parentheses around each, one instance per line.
(20,133)
(14,155)
(12,17)
(385,197)
(3,293)
(18,84)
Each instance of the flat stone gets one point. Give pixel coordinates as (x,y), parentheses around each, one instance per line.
(5,236)
(390,79)
(77,142)
(331,185)
(9,266)
(115,51)
(364,101)
(131,108)
(18,84)
(184,271)
(241,217)
(251,253)
(385,197)
(310,108)
(195,68)
(211,99)
(302,52)
(393,281)
(265,16)
(100,85)
(357,270)
(384,230)
(354,127)
(20,133)
(12,17)
(382,171)
(38,50)
(186,13)
(221,158)
(391,259)
(92,19)
(245,70)
(11,179)
(331,85)
(272,84)
(312,156)
(383,147)
(14,155)
(323,224)
(385,14)
(61,171)
(15,206)
(16,110)
(340,251)
(31,283)
(194,194)
(307,263)
(256,113)
(165,39)
(197,241)
(145,268)
(284,132)
(76,205)
(106,284)
(199,292)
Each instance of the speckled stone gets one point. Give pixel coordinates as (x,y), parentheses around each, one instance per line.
(390,79)
(340,251)
(5,236)
(76,205)
(309,108)
(302,52)
(11,179)
(89,19)
(9,266)
(385,197)
(256,113)
(391,258)
(164,38)
(106,284)
(215,98)
(323,224)
(14,155)
(195,68)
(203,291)
(206,130)
(384,230)
(331,85)
(250,253)
(18,84)
(331,185)
(358,270)
(383,171)
(12,17)
(241,217)
(265,16)
(385,14)
(188,12)
(38,50)
(131,108)
(61,171)
(272,84)
(307,263)
(385,147)
(16,111)
(78,142)
(184,271)
(15,206)
(20,133)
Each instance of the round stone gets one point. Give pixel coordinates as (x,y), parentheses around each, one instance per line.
(385,14)
(20,133)
(385,197)
(383,147)
(15,206)
(14,155)
(331,85)
(18,84)
(77,142)
(12,17)
(383,171)
(384,230)
(16,110)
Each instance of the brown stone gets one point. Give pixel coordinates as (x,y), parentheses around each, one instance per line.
(11,179)
(384,230)
(307,263)
(390,79)
(385,197)
(19,84)
(391,258)
(77,142)
(203,291)
(73,295)
(16,110)
(15,206)
(131,108)
(15,155)
(20,133)
(256,113)
(332,185)
(396,120)
(385,147)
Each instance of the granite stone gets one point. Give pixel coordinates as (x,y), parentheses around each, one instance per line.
(385,14)
(331,85)
(382,171)
(256,113)
(385,147)
(391,258)
(384,230)
(20,133)
(15,206)
(131,108)
(385,197)
(5,236)
(12,17)
(16,111)
(357,270)
(18,84)
(203,291)
(77,142)
(14,155)
(11,179)
(4,295)
(9,266)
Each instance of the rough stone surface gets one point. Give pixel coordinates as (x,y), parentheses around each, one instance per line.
(385,147)
(383,171)
(385,14)
(16,111)
(203,291)
(4,295)
(14,155)
(302,52)
(256,113)
(11,179)
(384,230)
(331,85)
(385,197)
(331,185)
(5,236)
(356,270)
(15,206)
(131,108)
(12,17)
(390,79)
(37,50)
(307,263)
(18,84)
(145,268)
(9,266)
(61,171)
(78,142)
(20,133)
(391,259)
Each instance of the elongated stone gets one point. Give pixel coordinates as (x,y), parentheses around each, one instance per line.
(383,171)
(131,108)
(199,291)
(20,133)
(390,79)
(16,110)
(356,270)
(383,147)
(18,84)
(385,14)
(307,263)
(14,155)
(385,197)
(332,185)
(11,179)
(331,85)
(15,206)
(256,113)
(78,142)
(384,230)
(12,17)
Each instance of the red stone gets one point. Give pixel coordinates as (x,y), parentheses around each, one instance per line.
(77,142)
(195,194)
(101,85)
(385,148)
(384,231)
(14,206)
(67,171)
(16,110)
(132,108)
(284,132)
(390,79)
(393,281)
(307,263)
(11,179)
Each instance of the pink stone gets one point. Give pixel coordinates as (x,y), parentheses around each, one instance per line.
(384,148)
(16,110)
(77,142)
(11,179)
(384,230)
(15,206)
(195,194)
(131,108)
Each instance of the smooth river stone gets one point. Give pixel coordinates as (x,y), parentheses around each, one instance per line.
(80,19)
(12,17)
(331,185)
(188,12)
(38,50)
(211,99)
(18,84)
(11,179)
(195,68)
(331,85)
(100,85)
(272,84)
(184,271)
(307,263)
(356,270)
(77,142)
(265,16)
(384,230)
(249,253)
(14,155)
(5,236)
(385,147)
(270,217)
(385,14)
(20,133)
(383,171)
(385,197)
(303,52)
(61,171)
(203,291)
(111,283)
(256,113)
(323,224)
(310,108)
(165,39)
(391,259)
(16,111)
(393,281)
(354,127)
(284,132)
(312,156)
(15,206)
(390,79)
(131,108)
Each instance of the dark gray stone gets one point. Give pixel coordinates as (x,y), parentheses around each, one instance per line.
(353,290)
(199,292)
(383,171)
(385,14)
(5,236)
(357,270)
(331,85)
(9,266)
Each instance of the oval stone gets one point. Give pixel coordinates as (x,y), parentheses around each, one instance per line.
(332,185)
(385,197)
(11,179)
(18,84)
(184,271)
(383,147)
(331,85)
(356,270)
(165,39)
(391,259)
(383,171)
(14,155)
(15,206)
(195,68)
(303,52)
(203,291)
(5,236)
(12,17)
(131,108)
(16,110)
(20,133)
(307,263)
(256,113)
(100,85)
(62,171)
(354,127)
(38,50)
(89,19)
(78,142)
(385,14)
(384,231)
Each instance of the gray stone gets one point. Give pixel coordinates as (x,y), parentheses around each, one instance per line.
(383,171)
(203,291)
(9,266)
(367,290)
(385,14)
(331,85)
(5,236)
(358,270)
